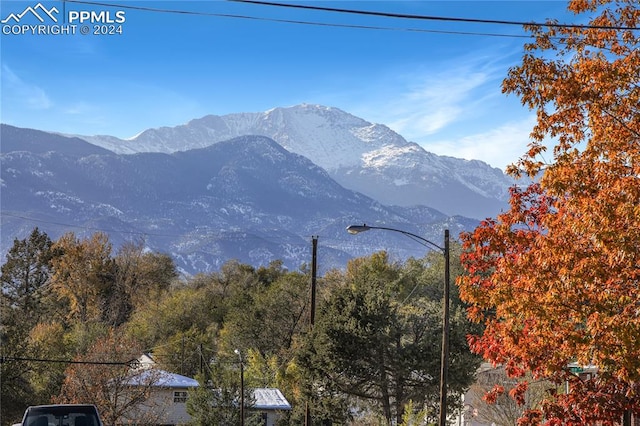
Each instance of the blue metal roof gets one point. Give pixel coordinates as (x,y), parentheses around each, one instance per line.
(270,399)
(161,378)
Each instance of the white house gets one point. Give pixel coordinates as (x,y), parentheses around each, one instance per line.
(166,405)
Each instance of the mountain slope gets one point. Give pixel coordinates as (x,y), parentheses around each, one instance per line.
(362,156)
(38,142)
(246,198)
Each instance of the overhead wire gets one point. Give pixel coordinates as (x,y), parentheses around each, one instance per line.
(359,12)
(66,361)
(315,8)
(222,235)
(226,234)
(85,227)
(295,21)
(430,18)
(229,235)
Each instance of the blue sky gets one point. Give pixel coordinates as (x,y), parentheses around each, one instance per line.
(434,86)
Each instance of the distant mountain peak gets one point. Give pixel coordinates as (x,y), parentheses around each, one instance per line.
(366,157)
(246,198)
(329,136)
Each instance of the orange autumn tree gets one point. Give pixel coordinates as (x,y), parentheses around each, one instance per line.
(556,279)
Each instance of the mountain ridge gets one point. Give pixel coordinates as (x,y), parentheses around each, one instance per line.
(366,157)
(247,199)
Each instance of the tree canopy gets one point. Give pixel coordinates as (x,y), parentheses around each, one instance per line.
(59,299)
(378,333)
(379,325)
(555,279)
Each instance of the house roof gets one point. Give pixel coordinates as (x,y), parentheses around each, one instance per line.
(270,399)
(265,398)
(161,378)
(146,372)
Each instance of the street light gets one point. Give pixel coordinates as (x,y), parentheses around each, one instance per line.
(237,352)
(444,357)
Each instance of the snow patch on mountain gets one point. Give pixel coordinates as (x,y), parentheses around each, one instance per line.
(359,155)
(328,136)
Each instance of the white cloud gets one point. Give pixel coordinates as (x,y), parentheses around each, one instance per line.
(23,93)
(499,147)
(455,107)
(439,96)
(79,108)
(438,101)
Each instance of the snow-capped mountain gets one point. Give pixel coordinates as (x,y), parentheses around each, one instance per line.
(246,198)
(329,137)
(369,158)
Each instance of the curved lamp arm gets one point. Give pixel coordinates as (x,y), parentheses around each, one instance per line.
(444,360)
(356,229)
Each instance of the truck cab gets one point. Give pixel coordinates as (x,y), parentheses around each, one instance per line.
(62,415)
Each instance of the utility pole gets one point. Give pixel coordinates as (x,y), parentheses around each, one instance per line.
(182,357)
(314,272)
(312,310)
(444,358)
(241,393)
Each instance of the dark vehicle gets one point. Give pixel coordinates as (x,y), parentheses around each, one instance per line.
(62,415)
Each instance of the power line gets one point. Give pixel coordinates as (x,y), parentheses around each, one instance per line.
(359,12)
(229,235)
(432,18)
(292,21)
(226,235)
(88,228)
(67,361)
(330,242)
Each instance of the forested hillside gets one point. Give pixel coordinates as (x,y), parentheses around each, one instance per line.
(74,315)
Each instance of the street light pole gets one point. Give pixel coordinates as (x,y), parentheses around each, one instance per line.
(444,356)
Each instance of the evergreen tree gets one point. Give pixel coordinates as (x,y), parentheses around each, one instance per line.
(26,271)
(377,339)
(24,278)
